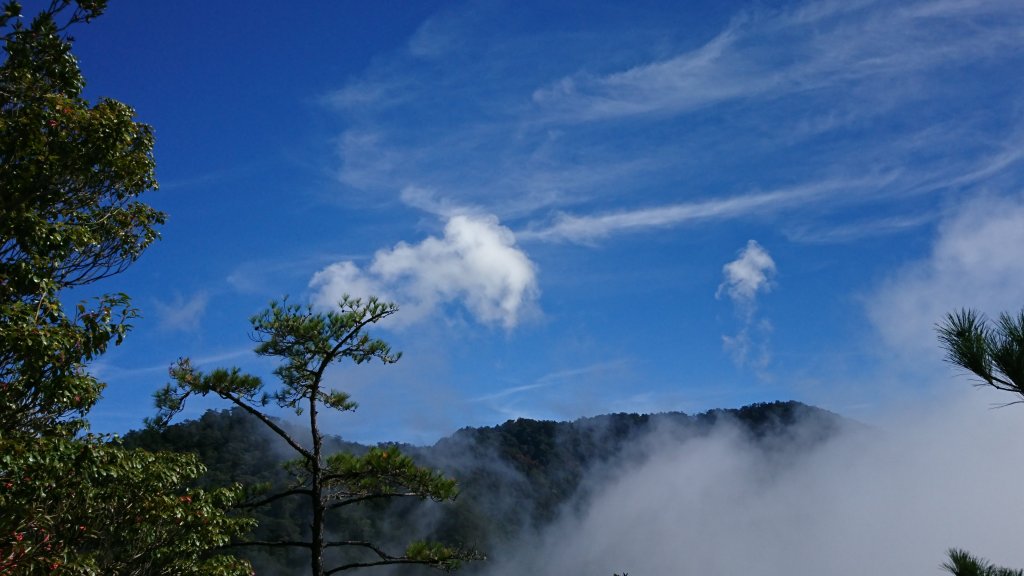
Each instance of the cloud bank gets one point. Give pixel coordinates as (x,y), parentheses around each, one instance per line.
(975,262)
(889,500)
(476,263)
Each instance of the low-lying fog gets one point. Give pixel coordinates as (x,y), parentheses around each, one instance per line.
(889,499)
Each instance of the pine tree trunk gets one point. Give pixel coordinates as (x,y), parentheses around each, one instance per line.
(316,470)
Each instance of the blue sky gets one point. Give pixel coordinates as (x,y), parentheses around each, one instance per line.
(582,208)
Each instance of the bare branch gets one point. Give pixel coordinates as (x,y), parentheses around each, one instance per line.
(268,421)
(276,497)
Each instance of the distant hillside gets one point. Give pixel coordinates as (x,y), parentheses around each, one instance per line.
(515,478)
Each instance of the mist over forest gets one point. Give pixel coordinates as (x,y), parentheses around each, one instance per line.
(775,488)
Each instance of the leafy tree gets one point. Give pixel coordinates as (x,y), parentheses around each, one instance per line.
(996,355)
(308,343)
(90,507)
(70,176)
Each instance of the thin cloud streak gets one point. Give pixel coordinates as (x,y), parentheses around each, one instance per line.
(795,53)
(550,379)
(811,71)
(107,371)
(858,230)
(585,229)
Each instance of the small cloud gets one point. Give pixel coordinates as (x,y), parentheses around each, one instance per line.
(366,160)
(749,274)
(182,314)
(341,278)
(475,263)
(749,347)
(365,94)
(433,39)
(858,230)
(427,200)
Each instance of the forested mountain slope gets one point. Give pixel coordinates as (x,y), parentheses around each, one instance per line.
(515,478)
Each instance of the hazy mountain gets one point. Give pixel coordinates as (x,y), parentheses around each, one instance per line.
(516,479)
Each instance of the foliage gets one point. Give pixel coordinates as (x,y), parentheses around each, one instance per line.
(70,176)
(71,173)
(308,343)
(962,563)
(994,354)
(92,507)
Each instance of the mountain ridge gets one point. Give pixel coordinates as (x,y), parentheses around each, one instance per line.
(515,478)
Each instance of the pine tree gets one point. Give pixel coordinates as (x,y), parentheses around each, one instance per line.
(308,343)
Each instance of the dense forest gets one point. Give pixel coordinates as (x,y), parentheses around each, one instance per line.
(515,478)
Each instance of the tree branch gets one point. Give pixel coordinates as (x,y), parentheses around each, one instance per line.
(275,497)
(273,543)
(381,563)
(268,421)
(360,544)
(358,499)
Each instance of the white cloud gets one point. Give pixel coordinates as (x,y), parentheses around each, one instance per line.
(182,314)
(857,230)
(367,93)
(749,347)
(589,228)
(782,53)
(750,273)
(475,263)
(975,262)
(367,160)
(427,200)
(888,500)
(341,278)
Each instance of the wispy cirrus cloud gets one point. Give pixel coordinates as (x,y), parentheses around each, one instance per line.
(593,227)
(554,394)
(823,233)
(181,313)
(762,54)
(613,136)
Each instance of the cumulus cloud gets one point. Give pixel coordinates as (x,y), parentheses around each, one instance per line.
(750,273)
(974,262)
(747,275)
(476,263)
